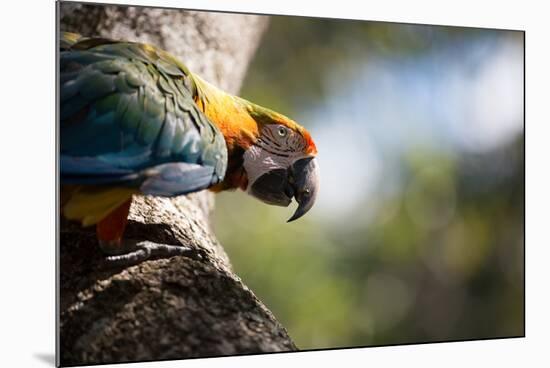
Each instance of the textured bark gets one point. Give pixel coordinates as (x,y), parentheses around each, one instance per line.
(173,308)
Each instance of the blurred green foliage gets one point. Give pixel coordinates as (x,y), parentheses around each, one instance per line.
(440,259)
(296,54)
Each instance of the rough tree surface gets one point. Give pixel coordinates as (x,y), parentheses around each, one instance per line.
(179,307)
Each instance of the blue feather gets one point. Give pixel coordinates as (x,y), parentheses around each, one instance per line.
(176,179)
(123,121)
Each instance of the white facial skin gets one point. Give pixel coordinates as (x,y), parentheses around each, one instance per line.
(278,147)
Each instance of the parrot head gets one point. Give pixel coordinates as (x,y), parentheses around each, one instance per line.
(281,163)
(270,156)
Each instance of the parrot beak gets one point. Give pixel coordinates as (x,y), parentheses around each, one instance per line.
(278,186)
(271,188)
(305,173)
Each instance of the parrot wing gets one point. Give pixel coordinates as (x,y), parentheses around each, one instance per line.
(128,116)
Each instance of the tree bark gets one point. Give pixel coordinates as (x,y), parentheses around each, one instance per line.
(171,308)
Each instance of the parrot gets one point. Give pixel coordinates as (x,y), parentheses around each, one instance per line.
(133,119)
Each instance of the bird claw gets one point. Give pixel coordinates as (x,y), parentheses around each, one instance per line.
(147,250)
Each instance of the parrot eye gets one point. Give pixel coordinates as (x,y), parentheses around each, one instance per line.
(282,131)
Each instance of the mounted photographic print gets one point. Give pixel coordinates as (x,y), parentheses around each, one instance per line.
(235,184)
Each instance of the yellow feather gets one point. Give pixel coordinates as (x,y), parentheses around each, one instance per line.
(89,205)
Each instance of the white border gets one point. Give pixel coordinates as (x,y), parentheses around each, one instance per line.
(27,204)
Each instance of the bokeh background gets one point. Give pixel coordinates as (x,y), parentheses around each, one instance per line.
(418,232)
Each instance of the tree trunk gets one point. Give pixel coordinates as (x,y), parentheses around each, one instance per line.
(171,308)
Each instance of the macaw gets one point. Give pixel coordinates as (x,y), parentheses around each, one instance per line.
(134,119)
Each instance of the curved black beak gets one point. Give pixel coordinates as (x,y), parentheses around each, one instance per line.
(279,186)
(305,173)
